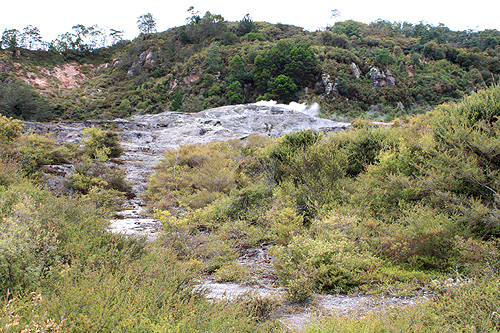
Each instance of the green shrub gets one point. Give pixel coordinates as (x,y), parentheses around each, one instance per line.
(466,306)
(10,129)
(101,145)
(284,151)
(233,272)
(253,36)
(25,245)
(331,260)
(33,151)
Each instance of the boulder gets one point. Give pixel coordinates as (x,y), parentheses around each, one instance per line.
(330,88)
(5,66)
(355,70)
(380,79)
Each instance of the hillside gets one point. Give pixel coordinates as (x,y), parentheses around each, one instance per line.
(379,70)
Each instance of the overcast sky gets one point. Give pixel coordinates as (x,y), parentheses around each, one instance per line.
(55,17)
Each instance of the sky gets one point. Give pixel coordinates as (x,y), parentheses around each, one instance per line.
(55,17)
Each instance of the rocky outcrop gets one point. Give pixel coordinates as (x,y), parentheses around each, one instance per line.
(329,87)
(145,58)
(5,66)
(380,79)
(355,70)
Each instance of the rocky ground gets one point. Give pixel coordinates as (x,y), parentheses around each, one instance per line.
(146,137)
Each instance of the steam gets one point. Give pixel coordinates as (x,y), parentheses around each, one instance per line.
(310,110)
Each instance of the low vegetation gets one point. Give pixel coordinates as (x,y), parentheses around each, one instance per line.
(400,210)
(405,210)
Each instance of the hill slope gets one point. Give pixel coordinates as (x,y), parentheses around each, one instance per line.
(378,71)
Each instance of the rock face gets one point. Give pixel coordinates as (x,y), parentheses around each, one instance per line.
(355,70)
(330,88)
(379,79)
(5,66)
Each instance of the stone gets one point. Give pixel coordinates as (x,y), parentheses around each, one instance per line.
(380,79)
(355,70)
(389,78)
(330,88)
(5,66)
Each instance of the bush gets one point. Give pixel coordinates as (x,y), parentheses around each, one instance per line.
(331,260)
(466,306)
(91,175)
(10,129)
(283,89)
(101,145)
(19,101)
(33,151)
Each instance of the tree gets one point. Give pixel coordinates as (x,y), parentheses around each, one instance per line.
(335,14)
(10,38)
(296,61)
(234,93)
(246,25)
(63,43)
(238,72)
(194,17)
(283,89)
(19,101)
(31,38)
(202,29)
(213,59)
(383,57)
(146,24)
(85,37)
(433,51)
(116,35)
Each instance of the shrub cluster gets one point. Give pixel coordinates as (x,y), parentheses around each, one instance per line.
(347,211)
(61,269)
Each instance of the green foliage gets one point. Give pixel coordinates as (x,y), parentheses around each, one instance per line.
(10,39)
(329,259)
(202,30)
(433,51)
(253,36)
(246,25)
(93,177)
(35,150)
(10,129)
(231,273)
(194,177)
(237,71)
(19,101)
(146,24)
(24,243)
(234,93)
(176,102)
(213,59)
(382,57)
(101,145)
(285,59)
(282,88)
(467,305)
